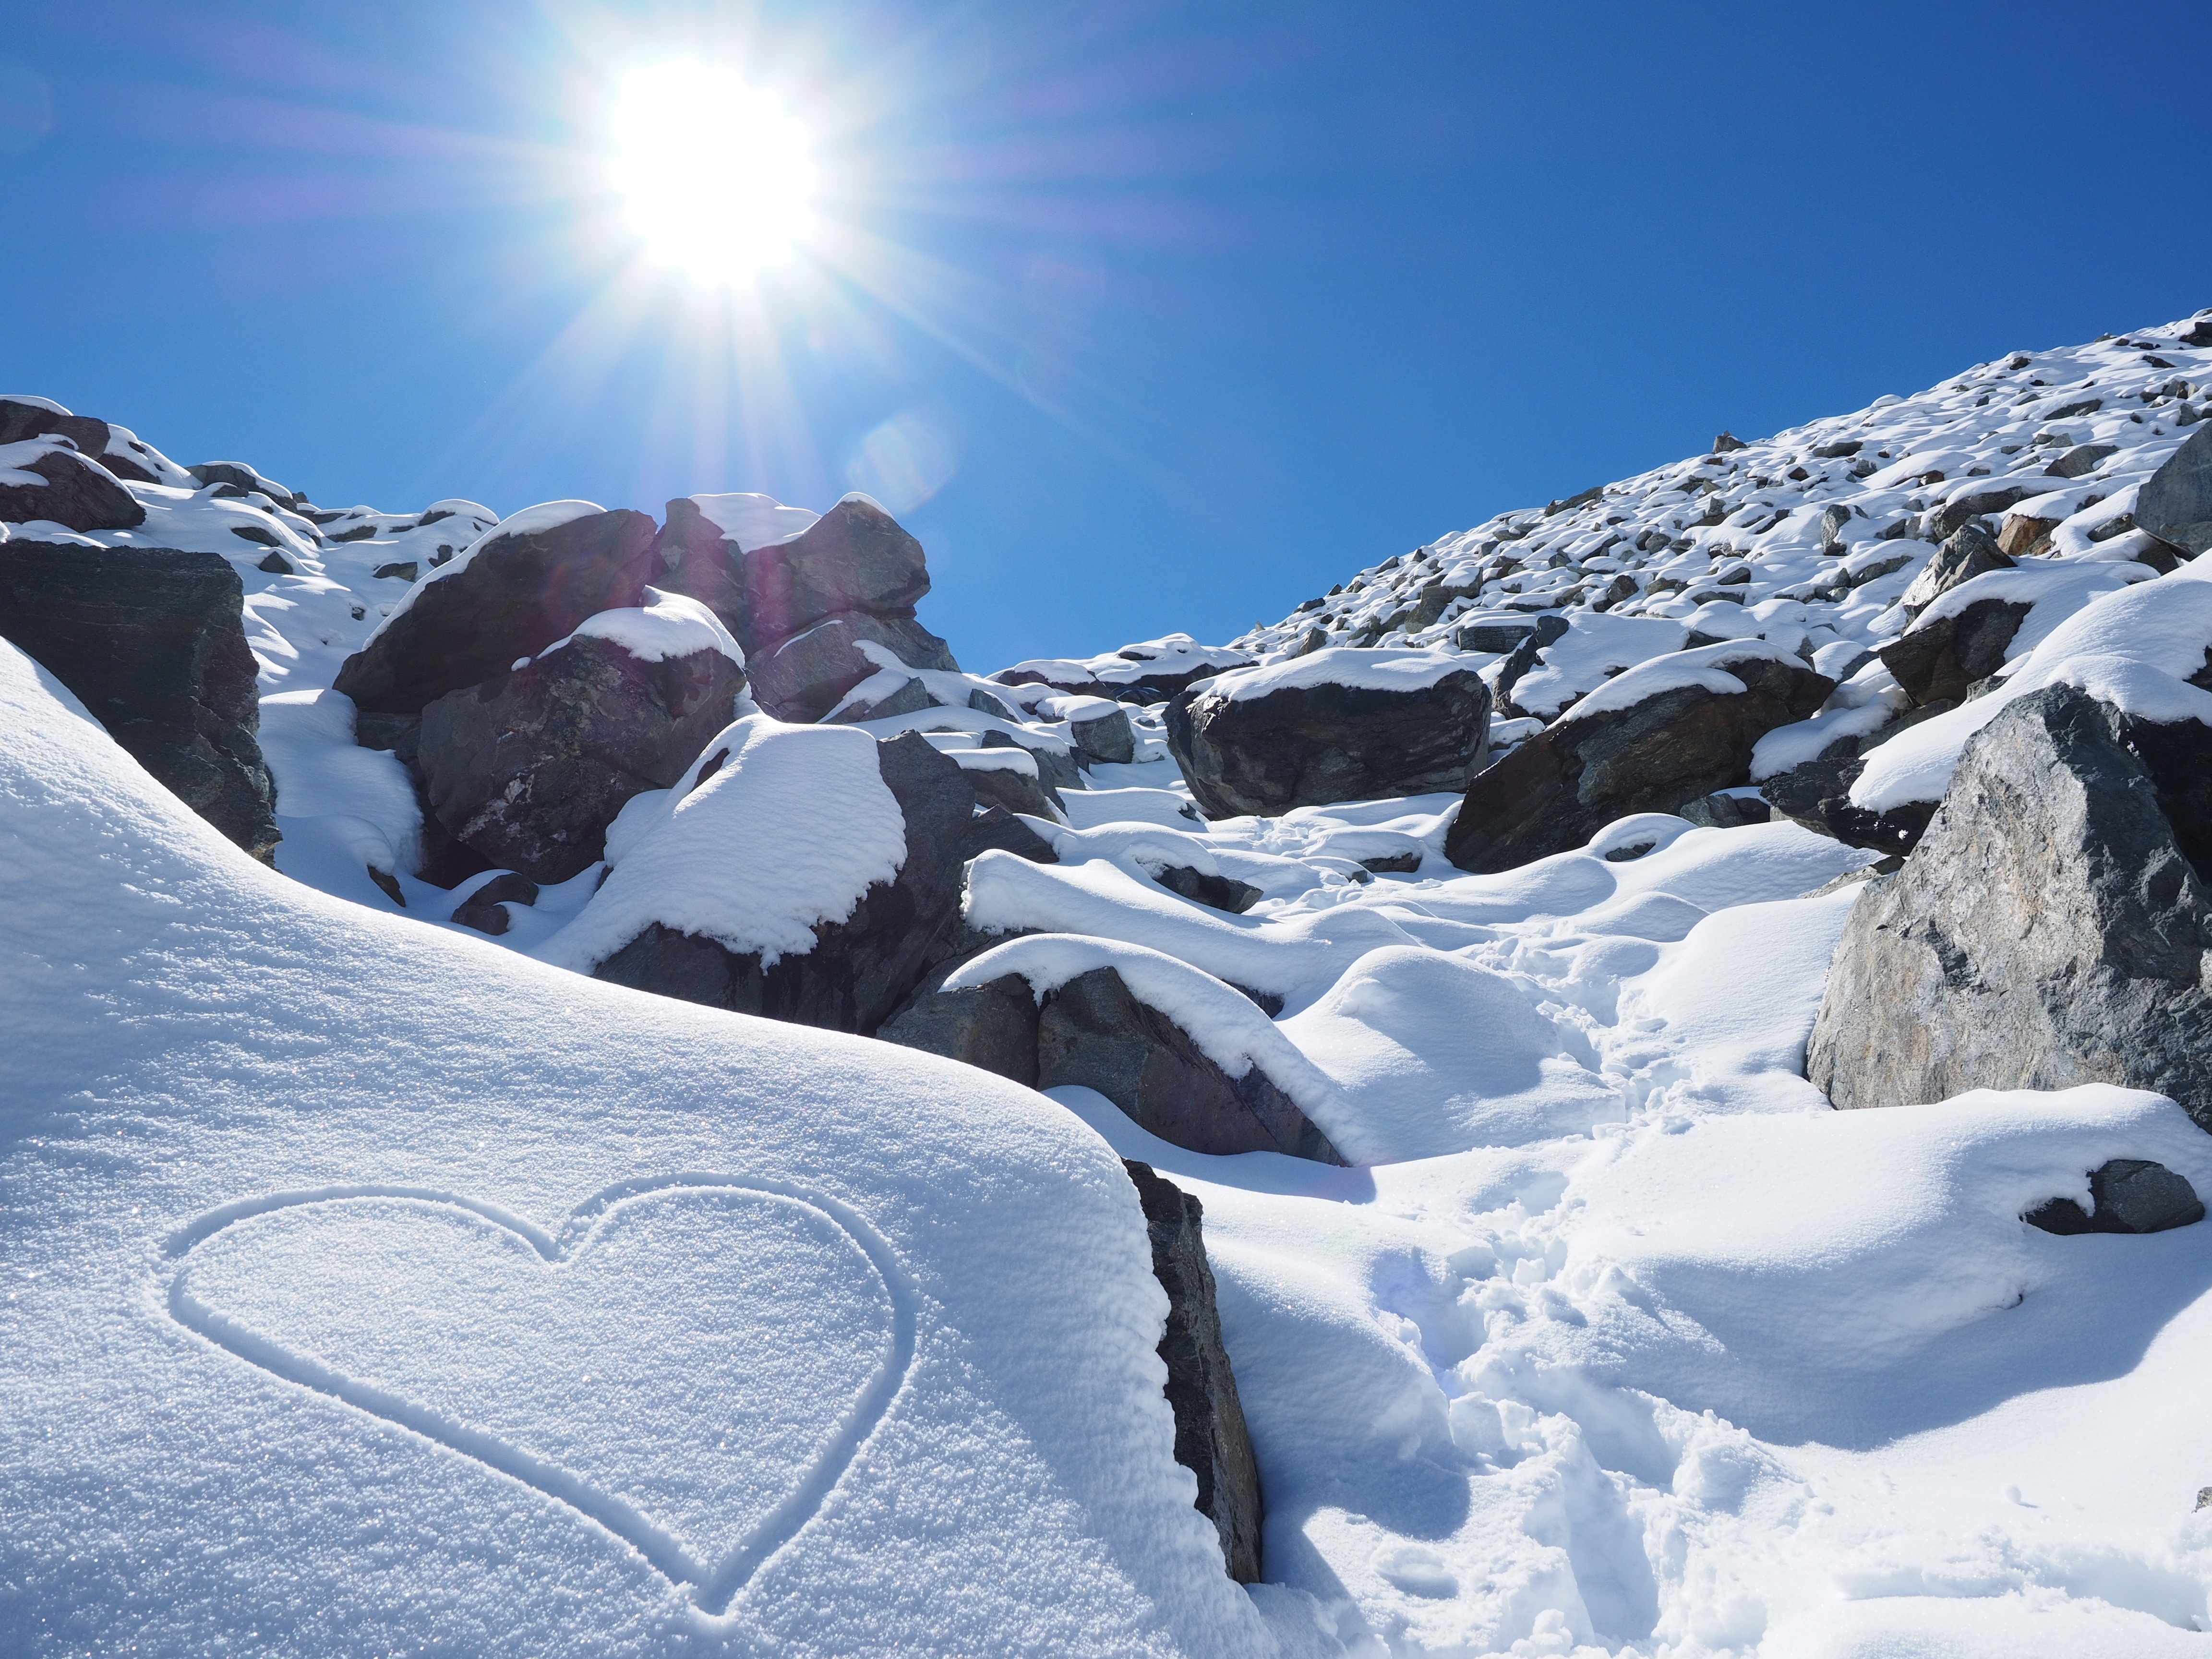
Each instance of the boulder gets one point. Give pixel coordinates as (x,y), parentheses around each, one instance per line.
(530,768)
(1621,751)
(1490,636)
(1107,738)
(240,477)
(801,679)
(2126,1196)
(1312,743)
(152,641)
(2175,502)
(2082,461)
(2051,928)
(1816,793)
(1961,511)
(1217,892)
(994,829)
(1724,811)
(1968,552)
(860,968)
(1017,788)
(1524,654)
(113,448)
(1938,657)
(855,557)
(993,1027)
(51,482)
(517,593)
(1094,1032)
(1211,1439)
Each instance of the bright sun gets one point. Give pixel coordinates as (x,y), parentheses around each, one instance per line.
(717,177)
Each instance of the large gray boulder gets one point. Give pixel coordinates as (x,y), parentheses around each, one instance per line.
(860,968)
(1647,755)
(69,490)
(530,768)
(2051,928)
(153,642)
(1940,657)
(1211,1439)
(1336,740)
(801,679)
(1967,552)
(468,622)
(2175,502)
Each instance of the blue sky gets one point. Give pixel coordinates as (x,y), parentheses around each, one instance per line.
(1156,317)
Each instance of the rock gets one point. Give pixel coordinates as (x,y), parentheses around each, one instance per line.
(1107,738)
(911,698)
(2126,1196)
(1093,1032)
(993,1027)
(1939,657)
(1056,766)
(71,490)
(1968,552)
(1957,514)
(984,704)
(152,641)
(801,679)
(509,887)
(855,557)
(1558,789)
(516,594)
(2022,535)
(1835,519)
(1727,441)
(1013,789)
(403,570)
(2175,502)
(860,968)
(1310,745)
(2082,461)
(2051,928)
(484,917)
(274,564)
(1498,637)
(530,768)
(994,827)
(259,534)
(1219,892)
(111,448)
(1817,794)
(240,477)
(1211,1439)
(1525,654)
(1725,812)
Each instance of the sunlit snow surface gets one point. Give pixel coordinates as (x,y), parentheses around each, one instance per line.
(1619,1340)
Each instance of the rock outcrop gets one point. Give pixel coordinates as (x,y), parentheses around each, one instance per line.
(1817,794)
(1211,1439)
(41,481)
(2050,929)
(1308,743)
(801,678)
(2175,502)
(2126,1196)
(1967,552)
(152,642)
(1618,752)
(529,769)
(1940,657)
(518,591)
(860,968)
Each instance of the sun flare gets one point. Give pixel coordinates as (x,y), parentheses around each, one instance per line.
(718,178)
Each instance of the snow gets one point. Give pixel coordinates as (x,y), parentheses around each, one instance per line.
(328,790)
(753,520)
(370,1288)
(667,626)
(1368,671)
(718,861)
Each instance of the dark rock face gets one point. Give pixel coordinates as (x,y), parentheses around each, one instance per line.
(1954,515)
(1494,636)
(994,828)
(1211,1439)
(1219,892)
(93,438)
(1109,738)
(2051,928)
(992,1026)
(529,769)
(1817,794)
(1575,776)
(1967,553)
(801,679)
(515,597)
(2175,502)
(860,969)
(2082,461)
(1017,791)
(1092,1031)
(152,642)
(1725,812)
(2127,1195)
(240,477)
(1939,658)
(1307,746)
(1523,654)
(76,493)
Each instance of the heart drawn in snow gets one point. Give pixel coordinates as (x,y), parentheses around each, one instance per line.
(691,1363)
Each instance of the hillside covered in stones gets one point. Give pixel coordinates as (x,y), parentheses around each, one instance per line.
(1348,1140)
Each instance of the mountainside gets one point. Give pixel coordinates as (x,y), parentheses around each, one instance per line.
(1662,1044)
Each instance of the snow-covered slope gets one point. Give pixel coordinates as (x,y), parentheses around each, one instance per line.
(369,1291)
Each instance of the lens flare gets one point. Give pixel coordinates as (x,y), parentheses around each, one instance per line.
(718,178)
